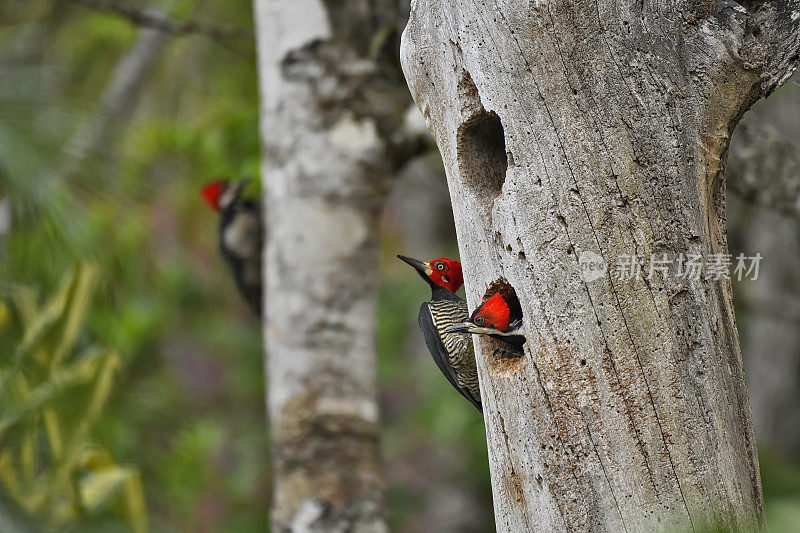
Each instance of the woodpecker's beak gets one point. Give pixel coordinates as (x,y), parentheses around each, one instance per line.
(421,266)
(466,327)
(241,185)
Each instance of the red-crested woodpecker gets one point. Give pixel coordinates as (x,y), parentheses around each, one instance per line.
(495,318)
(240,236)
(451,351)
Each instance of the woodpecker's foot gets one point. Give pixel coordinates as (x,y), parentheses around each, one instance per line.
(502,353)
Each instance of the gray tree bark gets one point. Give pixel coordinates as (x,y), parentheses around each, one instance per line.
(332,136)
(576,129)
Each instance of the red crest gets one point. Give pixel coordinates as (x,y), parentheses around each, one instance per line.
(212,192)
(495,313)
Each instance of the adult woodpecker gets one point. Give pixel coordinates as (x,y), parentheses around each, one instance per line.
(452,351)
(240,236)
(495,318)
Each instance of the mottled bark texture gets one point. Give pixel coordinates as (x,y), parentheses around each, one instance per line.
(332,108)
(573,129)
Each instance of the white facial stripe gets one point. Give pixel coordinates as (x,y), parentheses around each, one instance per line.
(478,329)
(227,197)
(489,331)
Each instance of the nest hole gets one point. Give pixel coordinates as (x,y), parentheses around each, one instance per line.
(482,158)
(502,286)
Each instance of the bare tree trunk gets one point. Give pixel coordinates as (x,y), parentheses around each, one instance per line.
(771,341)
(590,132)
(764,170)
(331,134)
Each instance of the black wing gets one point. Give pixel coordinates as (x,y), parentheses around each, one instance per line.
(249,286)
(439,354)
(246,270)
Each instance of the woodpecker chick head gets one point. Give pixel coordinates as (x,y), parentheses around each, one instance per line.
(492,317)
(221,193)
(442,272)
(495,318)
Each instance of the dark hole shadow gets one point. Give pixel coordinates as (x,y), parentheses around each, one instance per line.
(482,159)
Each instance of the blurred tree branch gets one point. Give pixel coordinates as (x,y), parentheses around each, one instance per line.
(119,97)
(764,169)
(84,155)
(220,33)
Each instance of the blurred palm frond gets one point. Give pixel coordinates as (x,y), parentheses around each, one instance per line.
(53,387)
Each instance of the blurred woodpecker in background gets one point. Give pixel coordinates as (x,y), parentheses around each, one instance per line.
(240,236)
(497,319)
(452,351)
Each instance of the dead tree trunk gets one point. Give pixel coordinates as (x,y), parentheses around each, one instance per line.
(331,118)
(577,133)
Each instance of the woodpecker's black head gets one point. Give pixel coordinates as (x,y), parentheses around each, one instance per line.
(442,272)
(221,194)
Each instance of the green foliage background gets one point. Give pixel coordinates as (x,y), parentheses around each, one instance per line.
(186,409)
(50,399)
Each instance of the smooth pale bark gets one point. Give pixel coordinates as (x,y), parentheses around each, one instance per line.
(331,121)
(576,128)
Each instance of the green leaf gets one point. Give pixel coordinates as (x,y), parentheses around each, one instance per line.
(55,438)
(78,373)
(44,320)
(108,365)
(135,503)
(5,316)
(76,314)
(26,304)
(97,488)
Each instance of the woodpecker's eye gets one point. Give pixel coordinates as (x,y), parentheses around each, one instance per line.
(479,320)
(440,266)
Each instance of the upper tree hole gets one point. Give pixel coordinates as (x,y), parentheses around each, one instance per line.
(482,159)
